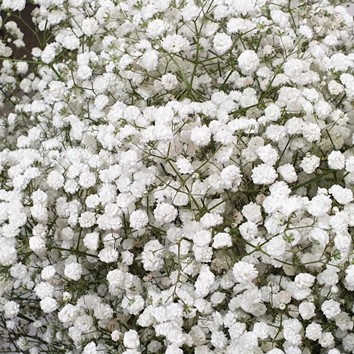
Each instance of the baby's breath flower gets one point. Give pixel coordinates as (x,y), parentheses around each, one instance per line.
(176,176)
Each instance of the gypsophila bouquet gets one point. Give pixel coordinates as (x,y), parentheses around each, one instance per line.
(176,177)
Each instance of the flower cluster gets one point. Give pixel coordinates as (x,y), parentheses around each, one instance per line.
(177,176)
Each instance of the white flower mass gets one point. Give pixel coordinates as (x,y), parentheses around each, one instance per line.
(176,176)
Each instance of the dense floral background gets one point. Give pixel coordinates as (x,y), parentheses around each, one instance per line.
(176,176)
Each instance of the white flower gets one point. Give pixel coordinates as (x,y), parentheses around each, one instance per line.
(264,174)
(304,280)
(275,351)
(218,339)
(204,282)
(294,69)
(48,272)
(267,154)
(242,7)
(48,304)
(221,240)
(68,313)
(165,213)
(244,272)
(89,26)
(39,197)
(17,5)
(103,312)
(138,219)
(272,112)
(175,43)
(155,28)
(349,278)
(248,230)
(8,253)
(328,277)
(323,109)
(90,348)
(222,43)
(108,255)
(149,60)
(288,173)
(335,88)
(248,62)
(133,304)
(116,335)
(291,331)
(11,309)
(175,188)
(184,166)
(336,160)
(230,177)
(341,195)
(341,62)
(55,180)
(313,331)
(334,351)
(18,271)
(237,24)
(87,219)
(307,310)
(310,163)
(349,164)
(319,205)
(169,81)
(91,241)
(326,340)
(202,238)
(87,179)
(212,219)
(252,212)
(319,235)
(330,308)
(84,72)
(44,289)
(73,271)
(276,247)
(131,339)
(201,135)
(343,243)
(67,39)
(311,132)
(115,278)
(339,223)
(152,256)
(306,31)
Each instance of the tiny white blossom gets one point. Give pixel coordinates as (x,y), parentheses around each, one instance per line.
(89,26)
(222,43)
(221,240)
(336,160)
(73,271)
(201,135)
(330,308)
(244,272)
(55,180)
(131,339)
(48,304)
(169,81)
(138,219)
(11,309)
(310,163)
(264,174)
(165,213)
(248,62)
(175,43)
